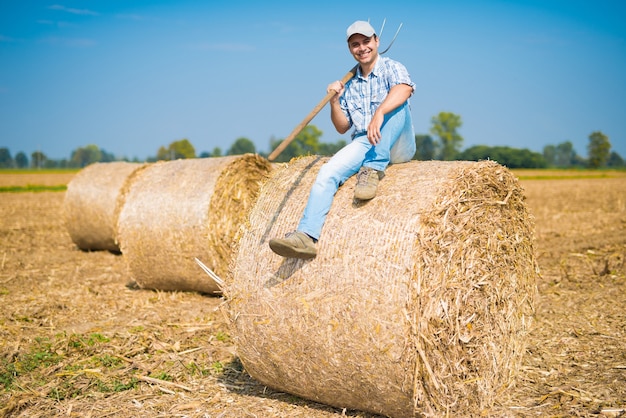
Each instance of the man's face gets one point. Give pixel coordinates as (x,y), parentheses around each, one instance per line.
(363,49)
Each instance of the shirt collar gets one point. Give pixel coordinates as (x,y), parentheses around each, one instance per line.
(374,72)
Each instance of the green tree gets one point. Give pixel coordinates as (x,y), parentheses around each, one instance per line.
(305,143)
(176,150)
(598,149)
(62,163)
(217,152)
(164,154)
(6,161)
(38,159)
(327,148)
(83,156)
(507,156)
(444,126)
(564,154)
(424,148)
(476,153)
(106,157)
(615,160)
(241,146)
(549,154)
(50,163)
(21,160)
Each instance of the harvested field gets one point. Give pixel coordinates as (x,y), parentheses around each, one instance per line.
(29,177)
(78,338)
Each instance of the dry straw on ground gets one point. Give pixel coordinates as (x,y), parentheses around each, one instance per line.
(55,298)
(180,210)
(418,302)
(92,203)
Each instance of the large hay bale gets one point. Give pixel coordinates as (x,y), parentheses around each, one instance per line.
(92,203)
(418,302)
(180,210)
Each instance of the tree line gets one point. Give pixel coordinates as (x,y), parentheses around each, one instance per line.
(442,143)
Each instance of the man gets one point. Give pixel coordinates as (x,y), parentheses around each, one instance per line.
(375,103)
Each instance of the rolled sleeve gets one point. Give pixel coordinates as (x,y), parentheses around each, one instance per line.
(398,74)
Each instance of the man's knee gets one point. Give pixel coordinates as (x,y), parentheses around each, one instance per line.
(403,150)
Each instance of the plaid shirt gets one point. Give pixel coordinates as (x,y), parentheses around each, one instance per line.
(362,96)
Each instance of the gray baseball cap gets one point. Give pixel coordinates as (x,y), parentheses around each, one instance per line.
(362,27)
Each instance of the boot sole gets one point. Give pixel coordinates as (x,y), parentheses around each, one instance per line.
(362,196)
(290,252)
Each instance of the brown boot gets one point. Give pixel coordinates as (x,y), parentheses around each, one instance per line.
(367,183)
(295,245)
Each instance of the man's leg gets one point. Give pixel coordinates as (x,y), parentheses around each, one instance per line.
(397,126)
(396,145)
(344,164)
(404,148)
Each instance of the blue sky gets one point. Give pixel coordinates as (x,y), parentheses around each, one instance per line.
(131,76)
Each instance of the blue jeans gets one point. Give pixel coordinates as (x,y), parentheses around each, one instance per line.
(397,145)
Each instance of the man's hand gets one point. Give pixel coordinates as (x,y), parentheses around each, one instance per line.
(397,96)
(339,120)
(373,129)
(337,87)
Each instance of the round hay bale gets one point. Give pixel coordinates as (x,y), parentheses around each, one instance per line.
(92,203)
(418,302)
(177,211)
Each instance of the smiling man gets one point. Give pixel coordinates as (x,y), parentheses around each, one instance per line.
(375,102)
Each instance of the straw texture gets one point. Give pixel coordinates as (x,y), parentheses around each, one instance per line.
(180,210)
(418,302)
(92,203)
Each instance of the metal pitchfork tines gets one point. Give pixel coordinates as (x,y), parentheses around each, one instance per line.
(281,147)
(394,36)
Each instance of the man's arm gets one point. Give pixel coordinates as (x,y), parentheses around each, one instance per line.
(396,97)
(337,117)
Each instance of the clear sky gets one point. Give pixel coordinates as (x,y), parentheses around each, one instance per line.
(131,76)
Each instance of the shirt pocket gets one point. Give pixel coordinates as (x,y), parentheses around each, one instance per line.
(378,96)
(356,112)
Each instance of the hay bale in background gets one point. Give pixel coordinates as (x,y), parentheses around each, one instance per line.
(92,203)
(180,210)
(417,303)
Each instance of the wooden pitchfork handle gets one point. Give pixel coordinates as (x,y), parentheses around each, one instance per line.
(281,147)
